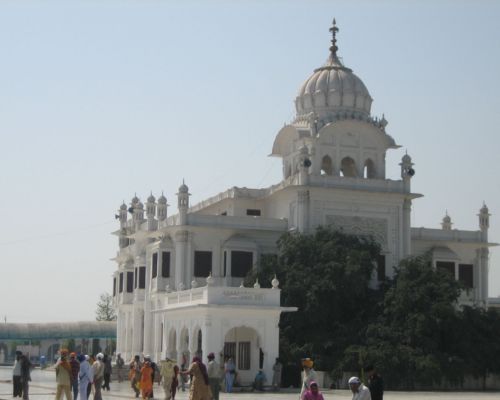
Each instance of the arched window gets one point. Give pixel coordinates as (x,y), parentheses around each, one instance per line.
(369,170)
(348,167)
(326,166)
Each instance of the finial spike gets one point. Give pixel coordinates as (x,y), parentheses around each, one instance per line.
(334,30)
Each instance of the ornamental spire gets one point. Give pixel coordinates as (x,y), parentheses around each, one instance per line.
(334,30)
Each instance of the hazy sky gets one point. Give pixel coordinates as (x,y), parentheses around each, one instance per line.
(102,99)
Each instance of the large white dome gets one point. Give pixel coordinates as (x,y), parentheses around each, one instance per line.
(333,89)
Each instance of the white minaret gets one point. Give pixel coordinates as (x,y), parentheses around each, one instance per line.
(407,173)
(407,170)
(304,164)
(122,216)
(484,221)
(150,212)
(137,212)
(446,222)
(483,255)
(183,203)
(161,210)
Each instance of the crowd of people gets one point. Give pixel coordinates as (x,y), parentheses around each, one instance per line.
(80,375)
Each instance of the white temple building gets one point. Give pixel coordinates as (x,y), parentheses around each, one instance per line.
(177,288)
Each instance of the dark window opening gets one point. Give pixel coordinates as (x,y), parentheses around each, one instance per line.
(130,282)
(202,263)
(253,212)
(326,166)
(225,262)
(348,167)
(465,275)
(223,213)
(120,285)
(114,287)
(230,350)
(447,266)
(142,277)
(135,278)
(244,355)
(241,263)
(381,267)
(154,264)
(165,264)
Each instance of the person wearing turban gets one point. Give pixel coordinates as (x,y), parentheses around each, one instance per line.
(308,376)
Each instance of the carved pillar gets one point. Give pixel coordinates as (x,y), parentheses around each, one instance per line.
(181,238)
(303,210)
(406,233)
(484,274)
(137,342)
(189,264)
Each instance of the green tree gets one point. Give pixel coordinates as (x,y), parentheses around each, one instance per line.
(326,275)
(105,310)
(414,339)
(478,343)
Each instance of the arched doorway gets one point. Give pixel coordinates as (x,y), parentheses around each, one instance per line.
(243,344)
(326,166)
(348,167)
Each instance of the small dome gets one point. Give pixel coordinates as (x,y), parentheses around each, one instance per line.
(151,198)
(162,199)
(484,209)
(183,188)
(406,159)
(135,200)
(446,219)
(123,207)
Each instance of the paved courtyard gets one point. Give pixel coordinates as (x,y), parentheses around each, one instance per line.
(43,388)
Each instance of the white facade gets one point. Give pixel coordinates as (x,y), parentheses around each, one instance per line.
(333,174)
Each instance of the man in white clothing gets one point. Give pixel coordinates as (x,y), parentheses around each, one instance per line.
(98,372)
(359,391)
(213,376)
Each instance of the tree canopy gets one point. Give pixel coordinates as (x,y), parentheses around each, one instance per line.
(105,310)
(411,327)
(326,275)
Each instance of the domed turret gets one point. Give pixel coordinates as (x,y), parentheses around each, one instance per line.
(162,208)
(162,199)
(333,90)
(183,188)
(446,222)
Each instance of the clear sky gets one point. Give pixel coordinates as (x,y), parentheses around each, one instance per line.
(103,99)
